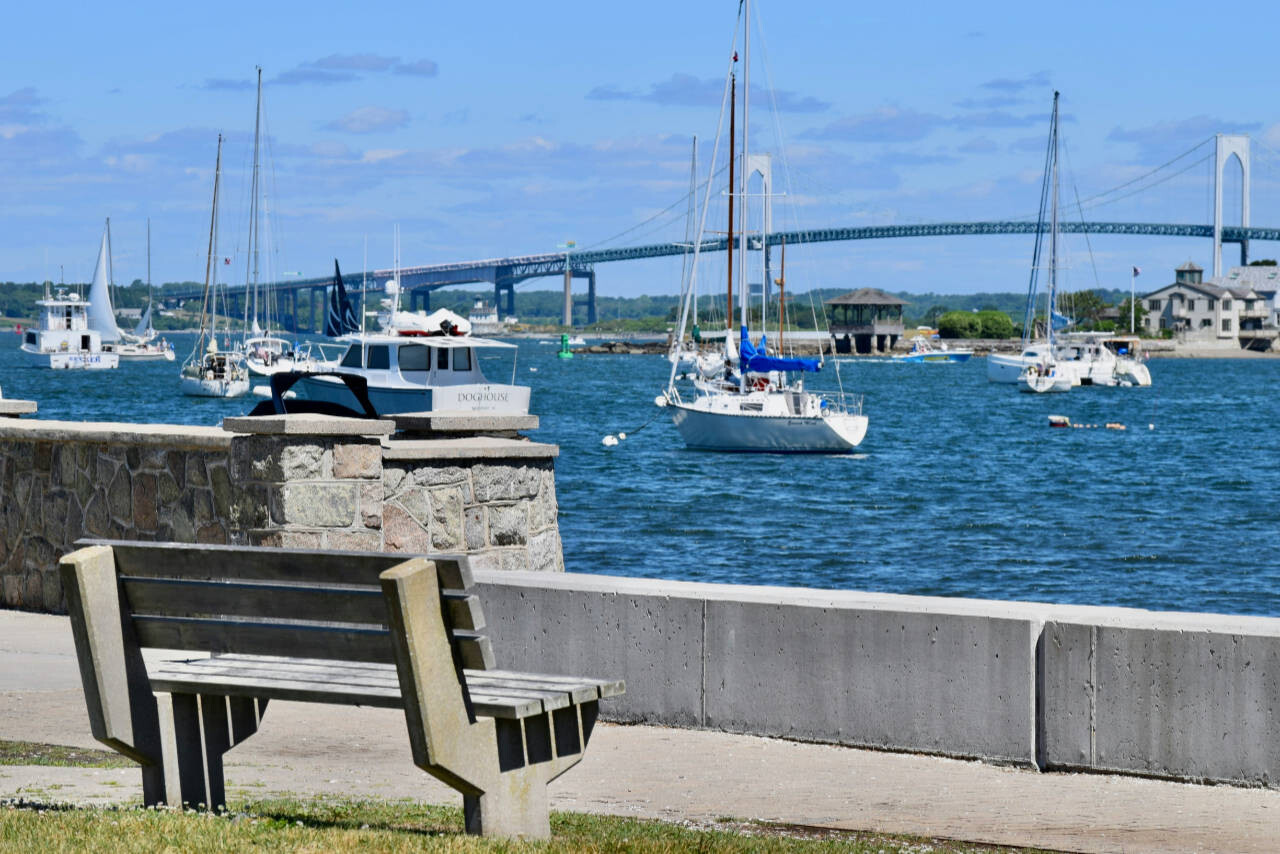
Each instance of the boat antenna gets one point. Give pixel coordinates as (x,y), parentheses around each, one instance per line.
(364,282)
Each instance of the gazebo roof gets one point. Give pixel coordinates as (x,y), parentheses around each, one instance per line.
(866,296)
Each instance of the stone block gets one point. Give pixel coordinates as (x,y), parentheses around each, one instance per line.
(513,559)
(220,481)
(371,498)
(506,482)
(509,524)
(307,461)
(320,505)
(167,489)
(439,475)
(475,528)
(51,588)
(353,541)
(13,590)
(401,532)
(195,471)
(97,521)
(145,514)
(546,554)
(120,496)
(202,512)
(357,461)
(417,502)
(286,539)
(392,478)
(213,533)
(446,519)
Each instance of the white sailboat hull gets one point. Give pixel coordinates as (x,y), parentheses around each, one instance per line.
(200,387)
(1003,368)
(705,430)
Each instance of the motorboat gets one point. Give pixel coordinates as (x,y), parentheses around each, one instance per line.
(419,370)
(922,350)
(63,340)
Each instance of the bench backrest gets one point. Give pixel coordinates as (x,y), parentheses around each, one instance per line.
(285,602)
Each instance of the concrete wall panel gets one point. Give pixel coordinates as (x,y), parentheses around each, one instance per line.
(653,641)
(944,683)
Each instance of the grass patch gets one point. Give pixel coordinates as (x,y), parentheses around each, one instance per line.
(32,753)
(390,826)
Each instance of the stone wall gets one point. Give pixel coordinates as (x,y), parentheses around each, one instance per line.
(299,481)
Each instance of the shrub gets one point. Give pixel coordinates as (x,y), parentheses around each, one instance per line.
(995,324)
(959,324)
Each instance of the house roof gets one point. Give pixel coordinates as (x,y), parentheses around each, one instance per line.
(1190,267)
(866,296)
(1207,288)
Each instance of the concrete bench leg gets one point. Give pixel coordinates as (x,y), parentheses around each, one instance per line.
(195,731)
(515,806)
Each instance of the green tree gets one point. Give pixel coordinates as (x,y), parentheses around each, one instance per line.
(959,324)
(1122,321)
(1263,262)
(995,324)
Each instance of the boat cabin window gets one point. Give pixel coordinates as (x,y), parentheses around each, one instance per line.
(352,357)
(442,359)
(31,338)
(379,358)
(413,357)
(462,359)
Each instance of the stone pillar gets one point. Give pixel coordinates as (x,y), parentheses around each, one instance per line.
(309,481)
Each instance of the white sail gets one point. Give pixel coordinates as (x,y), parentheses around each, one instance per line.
(144,325)
(102,317)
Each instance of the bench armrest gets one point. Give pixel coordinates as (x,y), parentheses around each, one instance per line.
(122,709)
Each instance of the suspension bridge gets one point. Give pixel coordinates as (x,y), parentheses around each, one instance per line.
(307,296)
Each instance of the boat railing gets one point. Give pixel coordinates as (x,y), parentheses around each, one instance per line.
(846,403)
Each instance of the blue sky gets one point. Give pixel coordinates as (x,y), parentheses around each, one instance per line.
(506,128)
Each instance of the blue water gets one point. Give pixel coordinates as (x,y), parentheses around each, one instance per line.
(960,489)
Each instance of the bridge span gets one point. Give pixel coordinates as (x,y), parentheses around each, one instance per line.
(505,273)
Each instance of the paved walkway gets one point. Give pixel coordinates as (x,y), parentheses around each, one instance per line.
(654,772)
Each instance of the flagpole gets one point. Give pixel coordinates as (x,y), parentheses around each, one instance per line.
(1133,278)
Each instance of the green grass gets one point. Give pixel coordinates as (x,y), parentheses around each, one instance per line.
(379,826)
(31,753)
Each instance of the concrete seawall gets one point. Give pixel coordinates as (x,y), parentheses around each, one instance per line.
(1183,696)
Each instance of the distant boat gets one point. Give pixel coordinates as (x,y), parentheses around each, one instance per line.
(923,351)
(434,367)
(64,340)
(211,371)
(140,345)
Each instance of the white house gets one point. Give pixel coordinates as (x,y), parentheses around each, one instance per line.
(1224,312)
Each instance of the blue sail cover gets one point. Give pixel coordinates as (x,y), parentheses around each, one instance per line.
(753,359)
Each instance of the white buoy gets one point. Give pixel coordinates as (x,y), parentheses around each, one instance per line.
(533,370)
(622,436)
(609,441)
(660,400)
(1151,426)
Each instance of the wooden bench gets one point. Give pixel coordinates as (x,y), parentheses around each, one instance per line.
(363,629)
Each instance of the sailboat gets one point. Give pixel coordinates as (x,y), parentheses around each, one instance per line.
(211,371)
(264,353)
(1046,374)
(760,409)
(141,344)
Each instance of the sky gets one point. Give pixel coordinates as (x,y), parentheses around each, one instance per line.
(494,129)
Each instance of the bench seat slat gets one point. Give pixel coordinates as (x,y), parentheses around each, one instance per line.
(606,687)
(363,683)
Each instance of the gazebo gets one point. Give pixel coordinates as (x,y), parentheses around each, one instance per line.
(865,321)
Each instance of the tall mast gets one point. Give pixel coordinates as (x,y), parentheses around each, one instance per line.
(253,211)
(1053,227)
(782,297)
(148,260)
(688,222)
(733,194)
(208,264)
(742,179)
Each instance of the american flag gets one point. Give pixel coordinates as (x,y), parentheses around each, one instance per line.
(1137,271)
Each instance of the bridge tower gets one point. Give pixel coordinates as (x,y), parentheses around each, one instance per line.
(1229,145)
(762,165)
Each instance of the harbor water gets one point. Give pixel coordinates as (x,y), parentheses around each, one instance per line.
(960,489)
